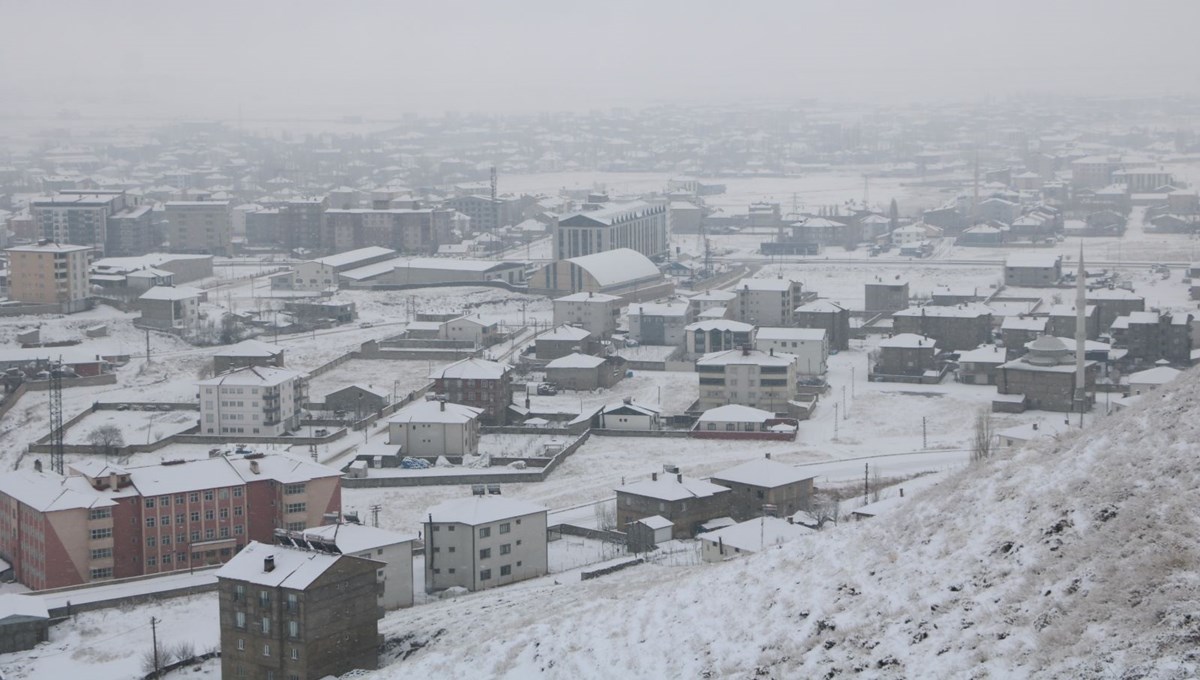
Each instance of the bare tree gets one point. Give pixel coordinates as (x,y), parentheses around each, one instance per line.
(825,508)
(876,484)
(984,436)
(106,439)
(606,516)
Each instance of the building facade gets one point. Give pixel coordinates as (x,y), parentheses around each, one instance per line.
(199,227)
(747,377)
(639,226)
(483,384)
(49,274)
(484,542)
(255,400)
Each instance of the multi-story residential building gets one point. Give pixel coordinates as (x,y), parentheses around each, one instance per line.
(717,335)
(301,223)
(110,222)
(255,400)
(170,307)
(686,503)
(711,300)
(954,328)
(827,315)
(906,357)
(767,302)
(49,274)
(247,353)
(1017,331)
(596,313)
(435,428)
(403,229)
(103,521)
(487,214)
(1114,302)
(882,298)
(660,323)
(480,383)
(638,225)
(483,542)
(1091,172)
(372,543)
(199,227)
(1033,270)
(1062,318)
(1150,336)
(748,377)
(293,614)
(262,227)
(810,346)
(765,482)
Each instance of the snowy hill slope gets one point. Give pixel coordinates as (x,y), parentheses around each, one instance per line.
(1075,559)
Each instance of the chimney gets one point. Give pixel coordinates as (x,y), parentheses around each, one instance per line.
(1035,426)
(679,478)
(269,563)
(791,520)
(112,481)
(768,455)
(442,405)
(254,466)
(591,294)
(654,476)
(772,351)
(745,350)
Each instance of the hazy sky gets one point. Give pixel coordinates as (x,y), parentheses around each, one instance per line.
(380,59)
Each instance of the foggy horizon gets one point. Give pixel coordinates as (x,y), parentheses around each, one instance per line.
(311,60)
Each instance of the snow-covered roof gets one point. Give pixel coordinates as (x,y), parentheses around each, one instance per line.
(610,213)
(566,333)
(1033,260)
(163,480)
(49,493)
(735,413)
(966,311)
(1159,375)
(778,285)
(588,297)
(575,360)
(983,354)
(753,535)
(664,308)
(632,406)
(20,605)
(669,488)
(256,376)
(908,341)
(655,522)
(1112,294)
(171,293)
(350,257)
(435,412)
(720,325)
(281,468)
(352,538)
(714,296)
(1071,310)
(48,248)
(821,306)
(477,510)
(799,334)
(293,568)
(250,348)
(740,356)
(612,267)
(763,472)
(377,391)
(471,369)
(1029,323)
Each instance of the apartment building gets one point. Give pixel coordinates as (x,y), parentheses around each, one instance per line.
(402,229)
(596,313)
(483,384)
(748,377)
(660,323)
(255,400)
(767,302)
(395,550)
(717,335)
(637,225)
(170,307)
(301,223)
(49,274)
(294,614)
(104,521)
(199,227)
(110,222)
(810,346)
(955,328)
(435,428)
(686,503)
(483,542)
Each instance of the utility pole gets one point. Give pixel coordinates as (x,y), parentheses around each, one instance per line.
(147,345)
(851,381)
(375,515)
(835,420)
(866,482)
(924,435)
(154,641)
(845,411)
(56,417)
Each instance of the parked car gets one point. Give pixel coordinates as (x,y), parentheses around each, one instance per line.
(547,389)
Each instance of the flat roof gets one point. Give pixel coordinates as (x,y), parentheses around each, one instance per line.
(476,510)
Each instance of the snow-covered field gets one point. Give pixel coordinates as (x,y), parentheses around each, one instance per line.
(395,377)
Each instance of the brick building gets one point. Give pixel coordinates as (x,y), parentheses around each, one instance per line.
(687,503)
(829,315)
(477,382)
(954,328)
(765,482)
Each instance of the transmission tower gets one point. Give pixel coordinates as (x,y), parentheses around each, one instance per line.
(56,418)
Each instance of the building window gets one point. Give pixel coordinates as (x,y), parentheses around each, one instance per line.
(208,514)
(193,497)
(151,561)
(106,572)
(505,527)
(100,513)
(484,532)
(293,508)
(149,521)
(224,513)
(237,492)
(293,489)
(149,502)
(292,603)
(295,526)
(164,501)
(179,519)
(208,494)
(485,553)
(505,548)
(266,625)
(237,511)
(101,533)
(237,530)
(506,570)
(485,575)
(264,599)
(293,629)
(165,520)
(150,541)
(295,657)
(266,650)
(239,593)
(102,553)
(208,533)
(241,645)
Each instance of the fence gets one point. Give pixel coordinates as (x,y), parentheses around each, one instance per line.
(585,532)
(597,573)
(125,597)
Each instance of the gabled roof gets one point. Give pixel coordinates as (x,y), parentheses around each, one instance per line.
(908,341)
(472,369)
(738,356)
(588,297)
(781,333)
(668,488)
(720,325)
(352,538)
(351,257)
(293,568)
(764,473)
(735,413)
(435,412)
(576,360)
(256,376)
(1159,375)
(171,293)
(566,333)
(753,535)
(632,407)
(49,493)
(821,306)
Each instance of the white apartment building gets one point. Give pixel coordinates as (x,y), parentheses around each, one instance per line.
(255,400)
(748,377)
(49,274)
(810,346)
(766,302)
(483,542)
(595,312)
(638,225)
(435,428)
(393,549)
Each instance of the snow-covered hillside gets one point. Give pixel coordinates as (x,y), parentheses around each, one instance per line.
(1074,559)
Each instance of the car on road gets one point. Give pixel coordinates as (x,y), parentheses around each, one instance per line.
(547,389)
